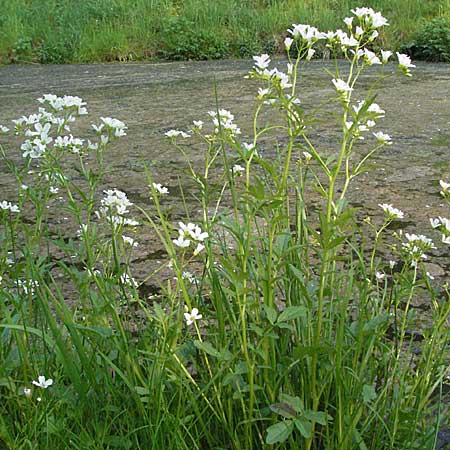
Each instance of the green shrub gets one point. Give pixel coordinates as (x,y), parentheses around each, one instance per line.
(432,41)
(182,39)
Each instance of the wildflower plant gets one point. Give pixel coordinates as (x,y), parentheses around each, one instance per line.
(278,326)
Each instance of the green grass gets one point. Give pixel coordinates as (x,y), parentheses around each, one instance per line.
(305,335)
(123,30)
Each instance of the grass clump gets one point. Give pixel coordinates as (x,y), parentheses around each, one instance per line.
(122,30)
(279,326)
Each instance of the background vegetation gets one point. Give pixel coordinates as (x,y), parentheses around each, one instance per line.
(60,31)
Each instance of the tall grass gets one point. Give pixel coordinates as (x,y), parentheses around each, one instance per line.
(278,326)
(97,30)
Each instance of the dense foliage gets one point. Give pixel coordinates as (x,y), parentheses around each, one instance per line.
(49,31)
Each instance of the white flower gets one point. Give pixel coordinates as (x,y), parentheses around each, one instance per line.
(306,32)
(358,31)
(379,276)
(391,211)
(435,223)
(445,239)
(237,169)
(361,12)
(54,190)
(160,188)
(192,316)
(263,92)
(341,85)
(262,62)
(114,125)
(373,36)
(198,249)
(310,54)
(383,138)
(42,382)
(189,276)
(197,234)
(370,123)
(348,21)
(404,63)
(27,392)
(430,276)
(3,129)
(127,279)
(99,128)
(392,263)
(385,55)
(130,241)
(378,20)
(181,241)
(198,124)
(176,133)
(445,186)
(370,57)
(287,43)
(375,109)
(8,206)
(307,156)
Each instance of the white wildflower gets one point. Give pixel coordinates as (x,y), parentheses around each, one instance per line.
(130,241)
(391,211)
(383,138)
(341,85)
(385,55)
(160,188)
(192,316)
(288,43)
(176,133)
(380,276)
(42,382)
(404,63)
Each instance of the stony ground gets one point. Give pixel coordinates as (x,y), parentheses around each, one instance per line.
(152,98)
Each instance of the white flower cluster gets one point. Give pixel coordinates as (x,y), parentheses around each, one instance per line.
(62,112)
(67,104)
(28,286)
(176,133)
(187,234)
(223,121)
(8,206)
(391,212)
(114,207)
(274,76)
(128,280)
(416,246)
(70,143)
(114,128)
(443,225)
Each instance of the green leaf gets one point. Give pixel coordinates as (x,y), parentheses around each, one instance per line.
(292,313)
(294,402)
(369,393)
(271,313)
(279,432)
(374,323)
(316,416)
(208,348)
(304,426)
(283,409)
